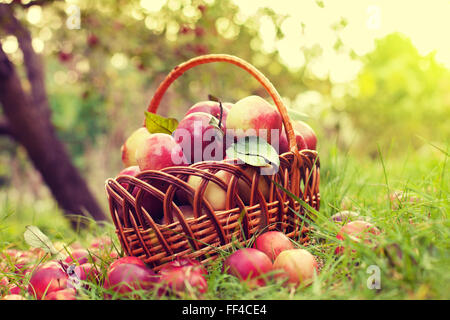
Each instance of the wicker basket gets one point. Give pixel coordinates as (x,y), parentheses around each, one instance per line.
(203,236)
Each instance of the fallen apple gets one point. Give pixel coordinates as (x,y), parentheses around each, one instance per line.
(298,266)
(46,280)
(250,265)
(357,231)
(272,243)
(125,278)
(63,294)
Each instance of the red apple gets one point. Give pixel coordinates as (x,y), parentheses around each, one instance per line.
(63,294)
(127,260)
(133,142)
(79,256)
(298,266)
(199,140)
(249,264)
(307,133)
(132,171)
(157,151)
(272,243)
(284,142)
(87,272)
(46,280)
(127,277)
(181,276)
(253,116)
(357,231)
(212,108)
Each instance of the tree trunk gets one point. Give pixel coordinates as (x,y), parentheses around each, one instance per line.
(28,121)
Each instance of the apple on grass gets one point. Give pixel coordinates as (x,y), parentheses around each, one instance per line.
(63,294)
(127,260)
(250,265)
(182,276)
(78,256)
(125,278)
(357,231)
(46,280)
(272,243)
(13,297)
(297,266)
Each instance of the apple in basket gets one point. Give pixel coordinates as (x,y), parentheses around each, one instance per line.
(284,143)
(157,151)
(133,142)
(199,139)
(212,108)
(254,116)
(272,243)
(297,266)
(249,265)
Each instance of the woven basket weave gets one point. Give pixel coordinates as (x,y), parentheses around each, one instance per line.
(203,236)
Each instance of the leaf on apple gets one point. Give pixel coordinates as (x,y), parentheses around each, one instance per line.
(159,124)
(254,151)
(35,238)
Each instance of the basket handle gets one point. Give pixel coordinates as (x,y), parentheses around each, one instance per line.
(183,67)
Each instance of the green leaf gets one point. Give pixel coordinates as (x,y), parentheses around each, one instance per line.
(254,151)
(297,115)
(35,238)
(159,124)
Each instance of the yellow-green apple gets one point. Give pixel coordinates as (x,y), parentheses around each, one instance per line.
(199,139)
(133,142)
(158,151)
(357,231)
(214,194)
(306,132)
(272,243)
(250,265)
(297,266)
(212,108)
(253,116)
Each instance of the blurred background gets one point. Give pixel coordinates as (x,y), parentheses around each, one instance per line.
(373,76)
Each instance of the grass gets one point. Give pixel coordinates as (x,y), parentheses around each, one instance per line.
(411,256)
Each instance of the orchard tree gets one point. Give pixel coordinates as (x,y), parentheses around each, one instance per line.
(27,121)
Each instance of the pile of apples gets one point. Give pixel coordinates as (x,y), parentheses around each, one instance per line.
(29,274)
(205,133)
